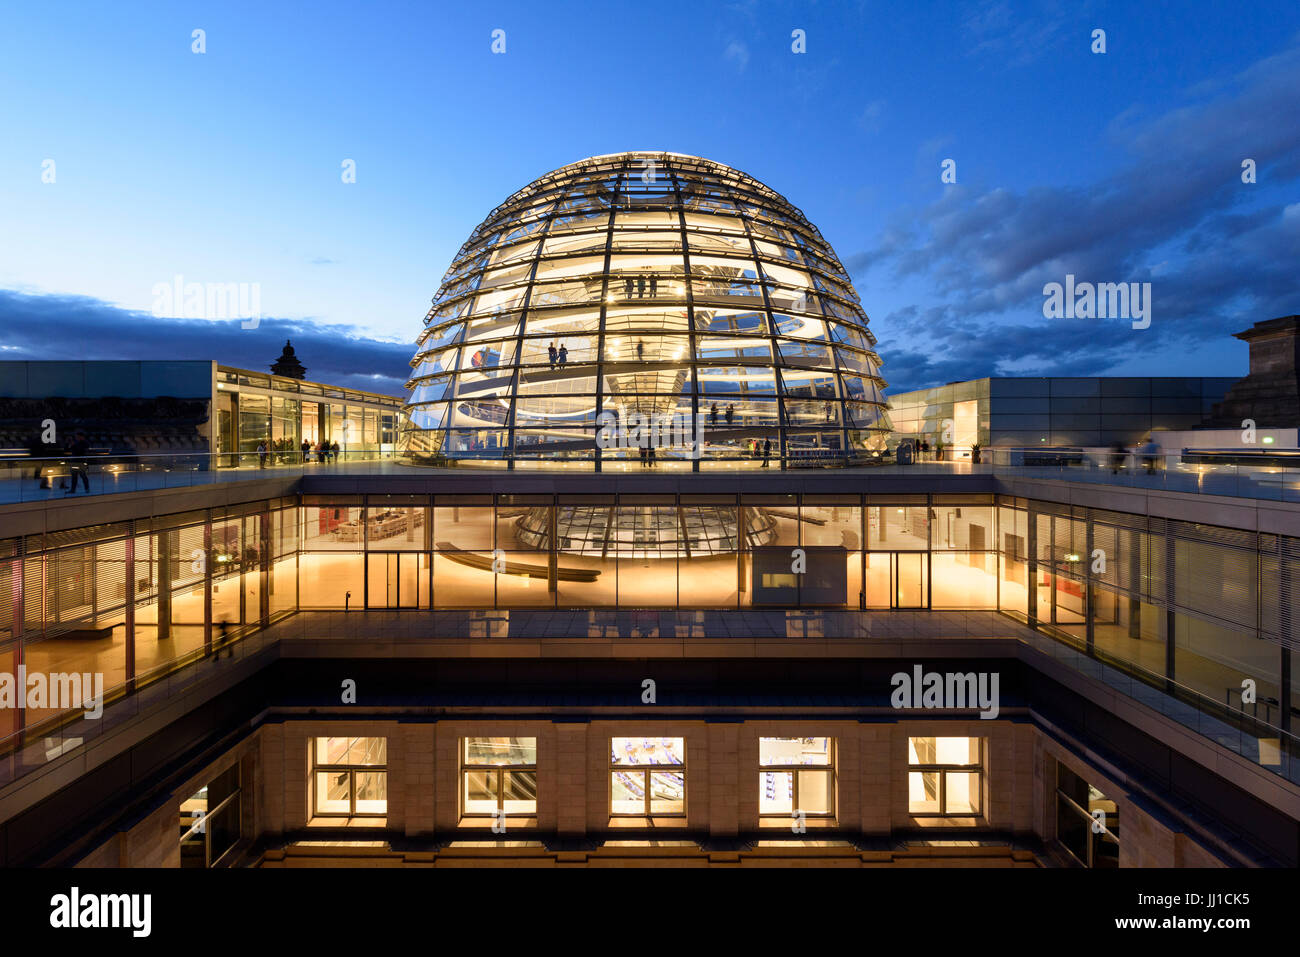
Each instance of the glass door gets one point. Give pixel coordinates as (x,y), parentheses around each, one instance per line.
(909,580)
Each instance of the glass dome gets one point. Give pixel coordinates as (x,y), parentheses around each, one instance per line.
(645,310)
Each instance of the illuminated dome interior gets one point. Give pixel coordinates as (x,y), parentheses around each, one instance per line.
(645,300)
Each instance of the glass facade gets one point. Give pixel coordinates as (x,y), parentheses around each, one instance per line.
(645,303)
(1034,411)
(1203,606)
(256,409)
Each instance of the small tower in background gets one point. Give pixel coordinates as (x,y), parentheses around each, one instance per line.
(288,365)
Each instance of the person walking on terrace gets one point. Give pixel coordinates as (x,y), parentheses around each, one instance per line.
(78,466)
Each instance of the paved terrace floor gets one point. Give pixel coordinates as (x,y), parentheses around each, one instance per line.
(18,484)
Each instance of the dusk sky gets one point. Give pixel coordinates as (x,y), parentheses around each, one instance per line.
(225,166)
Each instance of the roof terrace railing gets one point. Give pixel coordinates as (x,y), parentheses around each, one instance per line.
(1259,741)
(24,478)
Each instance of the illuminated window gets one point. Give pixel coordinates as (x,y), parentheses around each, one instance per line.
(498,776)
(647,777)
(349,777)
(945,776)
(797,774)
(1087,822)
(210,820)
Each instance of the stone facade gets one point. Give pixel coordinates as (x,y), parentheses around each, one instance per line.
(1270,394)
(872,825)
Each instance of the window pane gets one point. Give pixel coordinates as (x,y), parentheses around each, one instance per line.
(958,750)
(923,792)
(480,792)
(647,751)
(963,792)
(775,792)
(628,793)
(667,792)
(791,751)
(372,792)
(815,792)
(1105,852)
(364,751)
(1072,829)
(519,792)
(501,751)
(332,796)
(920,751)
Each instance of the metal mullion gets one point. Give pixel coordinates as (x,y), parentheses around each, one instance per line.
(781,398)
(688,282)
(620,173)
(547,219)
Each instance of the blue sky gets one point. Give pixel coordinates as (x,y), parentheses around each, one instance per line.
(225,166)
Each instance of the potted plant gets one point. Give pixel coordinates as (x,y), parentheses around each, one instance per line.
(975,453)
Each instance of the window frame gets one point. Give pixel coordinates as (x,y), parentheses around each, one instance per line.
(831,768)
(943,770)
(1072,806)
(647,817)
(202,820)
(351,770)
(466,768)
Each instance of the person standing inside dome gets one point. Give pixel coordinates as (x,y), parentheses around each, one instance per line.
(552,354)
(564,354)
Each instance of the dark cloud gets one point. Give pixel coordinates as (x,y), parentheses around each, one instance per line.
(79,327)
(1219,254)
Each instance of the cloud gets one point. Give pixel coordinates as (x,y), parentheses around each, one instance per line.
(80,327)
(738,53)
(1017,37)
(1220,254)
(869,118)
(322,261)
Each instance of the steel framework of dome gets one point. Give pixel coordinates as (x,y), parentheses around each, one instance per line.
(645,302)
